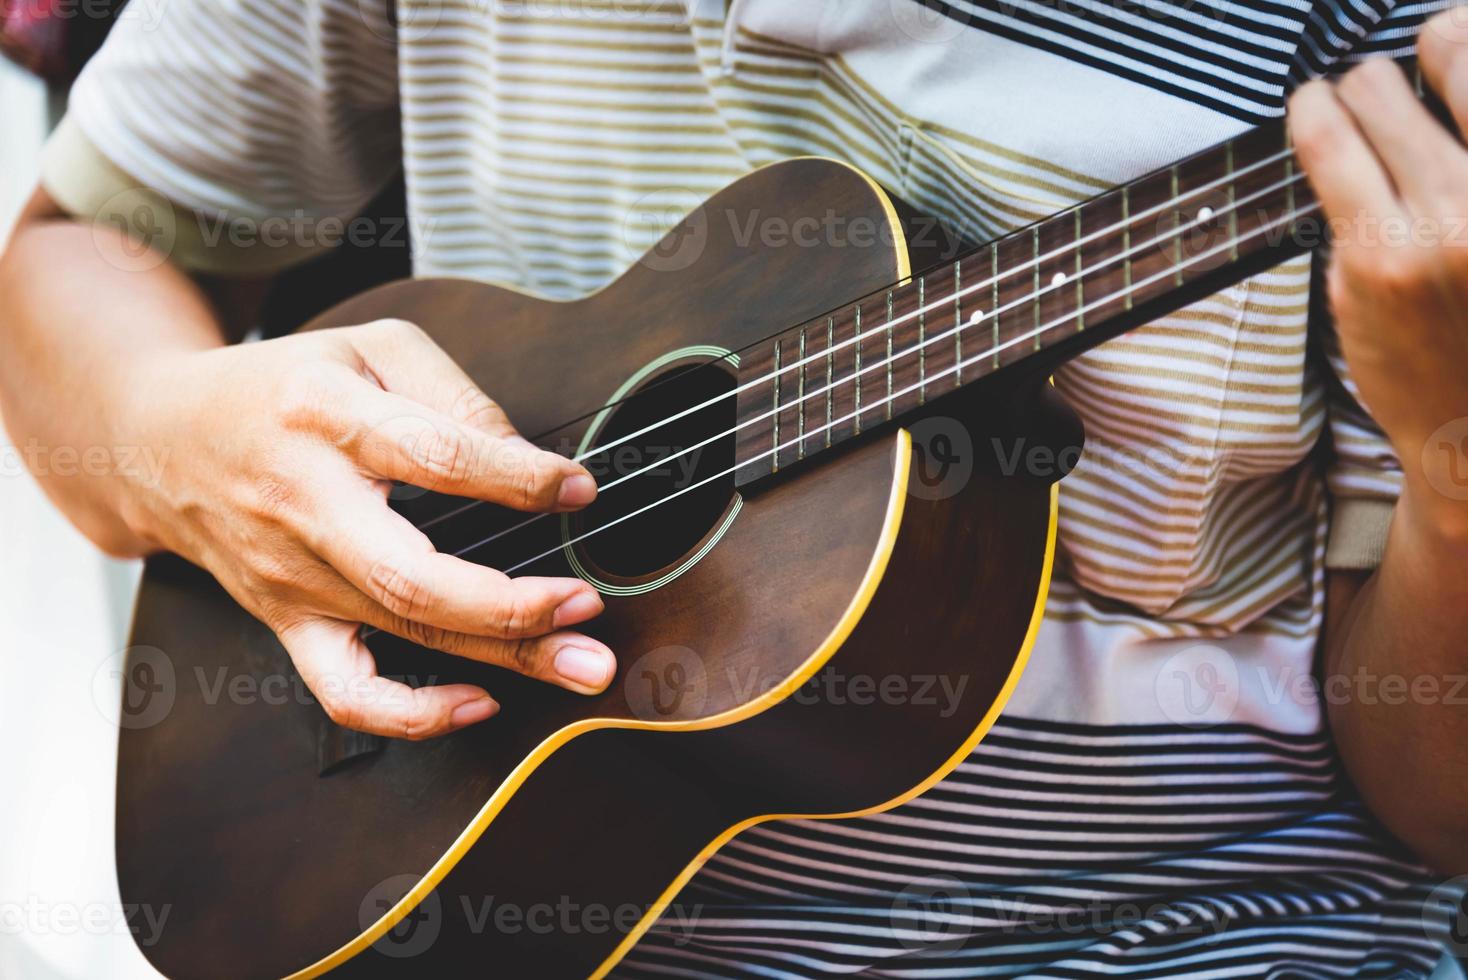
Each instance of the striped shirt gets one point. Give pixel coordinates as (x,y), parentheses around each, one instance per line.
(1161,796)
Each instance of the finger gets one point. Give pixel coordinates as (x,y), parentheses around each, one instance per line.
(1423,161)
(571,660)
(398,439)
(341,672)
(397,567)
(1442,53)
(405,360)
(567,659)
(1347,177)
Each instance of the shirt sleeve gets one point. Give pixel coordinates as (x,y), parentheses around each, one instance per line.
(249,132)
(1363,475)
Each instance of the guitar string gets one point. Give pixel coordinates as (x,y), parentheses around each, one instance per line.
(906,352)
(1292,216)
(1232,243)
(1170,204)
(850,415)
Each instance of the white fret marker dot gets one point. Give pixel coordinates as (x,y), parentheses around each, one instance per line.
(1057,279)
(975,317)
(1205,215)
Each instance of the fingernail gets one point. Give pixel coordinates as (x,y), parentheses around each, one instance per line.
(577,491)
(586,668)
(473,712)
(577,609)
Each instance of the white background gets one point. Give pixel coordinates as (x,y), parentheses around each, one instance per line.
(63,613)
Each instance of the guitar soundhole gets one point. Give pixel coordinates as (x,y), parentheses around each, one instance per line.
(646,524)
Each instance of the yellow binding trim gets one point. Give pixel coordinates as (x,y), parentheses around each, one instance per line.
(838,635)
(902,466)
(1002,699)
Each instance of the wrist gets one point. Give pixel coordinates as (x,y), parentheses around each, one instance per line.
(1435,466)
(149,406)
(1433,521)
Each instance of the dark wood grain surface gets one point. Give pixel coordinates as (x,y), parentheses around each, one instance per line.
(266,866)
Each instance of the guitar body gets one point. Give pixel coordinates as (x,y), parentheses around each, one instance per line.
(782,650)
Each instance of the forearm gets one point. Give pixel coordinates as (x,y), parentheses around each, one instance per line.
(80,325)
(1395,662)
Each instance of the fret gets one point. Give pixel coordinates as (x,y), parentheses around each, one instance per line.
(789,395)
(922,343)
(830,372)
(871,377)
(957,324)
(1017,307)
(1161,244)
(1289,166)
(1035,290)
(889,354)
(1260,200)
(938,359)
(856,371)
(812,382)
(846,353)
(1126,244)
(904,347)
(775,415)
(800,398)
(1055,265)
(994,302)
(1099,256)
(1177,224)
(1233,211)
(856,374)
(1080,274)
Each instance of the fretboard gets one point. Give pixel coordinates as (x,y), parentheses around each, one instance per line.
(1028,300)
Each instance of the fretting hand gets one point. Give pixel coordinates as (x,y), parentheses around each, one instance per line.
(1394,184)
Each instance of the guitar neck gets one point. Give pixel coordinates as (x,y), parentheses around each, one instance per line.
(1028,301)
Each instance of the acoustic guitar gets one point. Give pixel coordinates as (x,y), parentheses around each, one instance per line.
(804,405)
